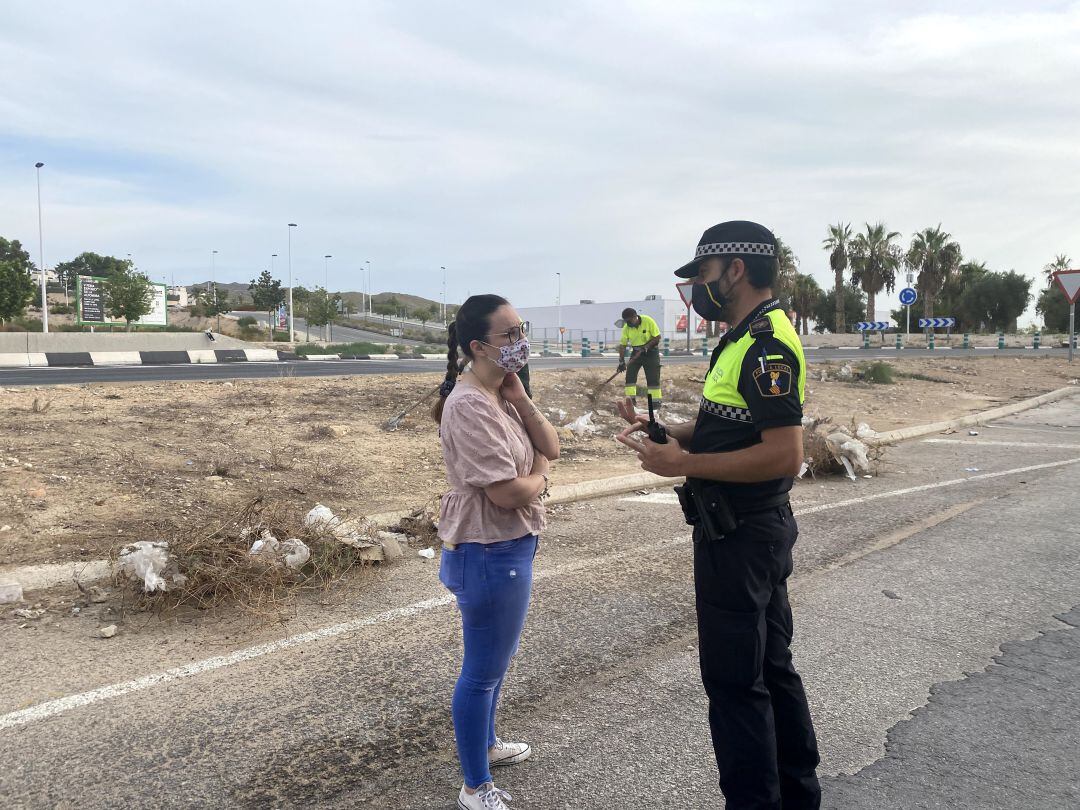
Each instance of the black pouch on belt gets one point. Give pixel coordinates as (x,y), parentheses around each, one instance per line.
(689,506)
(714,510)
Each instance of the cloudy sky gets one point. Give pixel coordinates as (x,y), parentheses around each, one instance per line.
(595,139)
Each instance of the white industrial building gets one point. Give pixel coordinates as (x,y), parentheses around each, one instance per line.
(596,321)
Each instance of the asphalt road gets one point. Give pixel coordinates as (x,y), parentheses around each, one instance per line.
(904,584)
(308,368)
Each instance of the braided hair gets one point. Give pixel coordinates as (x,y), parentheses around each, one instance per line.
(473,322)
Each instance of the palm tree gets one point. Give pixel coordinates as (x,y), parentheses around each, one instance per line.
(789,269)
(936,259)
(874,262)
(805,294)
(837,244)
(1060,262)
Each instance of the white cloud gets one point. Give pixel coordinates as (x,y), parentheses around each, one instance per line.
(597,139)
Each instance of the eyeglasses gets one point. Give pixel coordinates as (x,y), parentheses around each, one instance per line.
(514,333)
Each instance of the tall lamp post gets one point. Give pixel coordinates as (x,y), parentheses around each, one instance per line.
(213,283)
(274,314)
(558,302)
(41,255)
(370,309)
(292,329)
(443,295)
(326,277)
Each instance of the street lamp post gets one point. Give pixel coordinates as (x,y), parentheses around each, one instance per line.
(444,296)
(292,329)
(272,315)
(558,302)
(326,275)
(41,255)
(213,283)
(370,309)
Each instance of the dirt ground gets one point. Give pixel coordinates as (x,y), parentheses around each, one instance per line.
(85,469)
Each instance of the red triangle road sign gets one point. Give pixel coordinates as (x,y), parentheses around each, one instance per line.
(1069,281)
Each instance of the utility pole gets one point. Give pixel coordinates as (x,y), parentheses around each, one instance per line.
(41,256)
(292,329)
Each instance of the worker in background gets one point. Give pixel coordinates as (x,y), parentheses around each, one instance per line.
(642,335)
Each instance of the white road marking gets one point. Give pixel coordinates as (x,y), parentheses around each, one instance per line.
(51,708)
(670,497)
(977,443)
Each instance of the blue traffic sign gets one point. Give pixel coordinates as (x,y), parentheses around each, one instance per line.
(872,326)
(937,323)
(908,296)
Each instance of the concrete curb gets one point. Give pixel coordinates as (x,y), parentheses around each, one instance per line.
(916,431)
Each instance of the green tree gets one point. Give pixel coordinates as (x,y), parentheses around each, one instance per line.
(128,295)
(13,251)
(16,289)
(837,243)
(321,307)
(1060,262)
(267,294)
(853,303)
(953,290)
(1054,307)
(996,300)
(874,262)
(91,264)
(935,257)
(805,299)
(425,314)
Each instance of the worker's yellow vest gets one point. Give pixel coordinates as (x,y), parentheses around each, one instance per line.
(722,384)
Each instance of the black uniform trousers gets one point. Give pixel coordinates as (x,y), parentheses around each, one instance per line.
(762,734)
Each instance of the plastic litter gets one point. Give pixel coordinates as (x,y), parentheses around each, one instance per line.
(427,553)
(10,592)
(145,560)
(971,469)
(973,433)
(266,543)
(805,466)
(864,431)
(296,553)
(583,424)
(321,516)
(847,466)
(855,450)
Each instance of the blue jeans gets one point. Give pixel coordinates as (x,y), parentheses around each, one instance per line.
(492,583)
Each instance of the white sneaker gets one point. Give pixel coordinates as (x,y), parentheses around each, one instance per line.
(488,797)
(508,753)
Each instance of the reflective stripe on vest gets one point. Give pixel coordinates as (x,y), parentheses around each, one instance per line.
(721,394)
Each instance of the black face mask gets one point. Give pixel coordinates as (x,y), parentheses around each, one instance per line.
(708,301)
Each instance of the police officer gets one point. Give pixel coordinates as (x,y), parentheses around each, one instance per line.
(642,335)
(739,459)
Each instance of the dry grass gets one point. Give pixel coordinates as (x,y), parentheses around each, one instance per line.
(217,569)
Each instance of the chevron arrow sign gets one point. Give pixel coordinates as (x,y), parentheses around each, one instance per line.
(937,323)
(872,326)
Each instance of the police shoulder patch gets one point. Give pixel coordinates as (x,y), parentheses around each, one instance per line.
(762,326)
(774,380)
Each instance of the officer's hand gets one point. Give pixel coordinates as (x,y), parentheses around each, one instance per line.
(661,459)
(622,366)
(628,412)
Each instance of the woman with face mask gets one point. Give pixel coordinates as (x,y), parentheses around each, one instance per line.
(497,446)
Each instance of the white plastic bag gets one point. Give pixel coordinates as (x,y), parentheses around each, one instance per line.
(145,560)
(321,517)
(296,553)
(583,424)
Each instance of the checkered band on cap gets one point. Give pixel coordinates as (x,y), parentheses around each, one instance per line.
(735,248)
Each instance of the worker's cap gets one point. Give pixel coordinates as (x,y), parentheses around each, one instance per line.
(735,238)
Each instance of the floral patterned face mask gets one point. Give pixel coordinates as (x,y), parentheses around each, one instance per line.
(513,358)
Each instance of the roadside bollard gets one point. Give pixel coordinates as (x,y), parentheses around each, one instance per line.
(603,346)
(667,346)
(584,347)
(1035,342)
(866,340)
(704,347)
(545,346)
(1001,340)
(569,346)
(930,340)
(899,341)
(967,340)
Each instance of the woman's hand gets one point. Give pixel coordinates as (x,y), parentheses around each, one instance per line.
(512,390)
(541,465)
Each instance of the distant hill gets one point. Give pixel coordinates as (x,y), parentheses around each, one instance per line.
(239,292)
